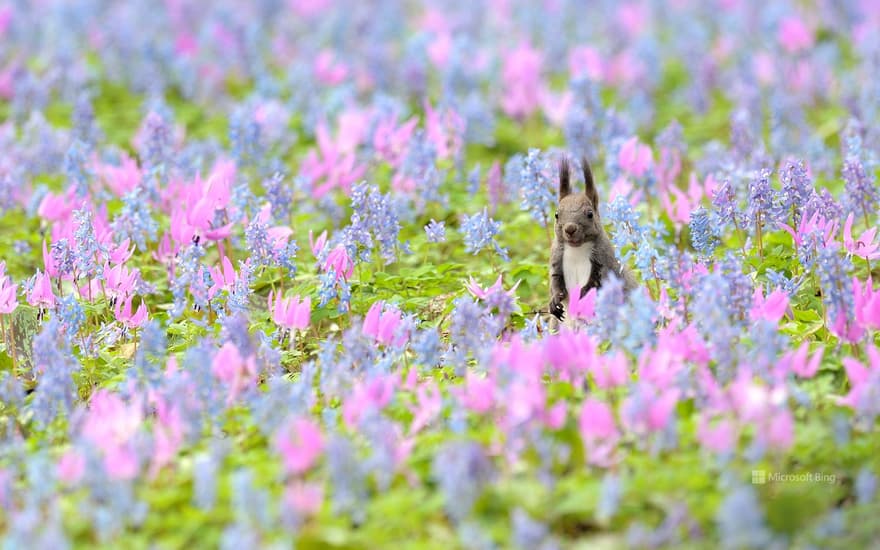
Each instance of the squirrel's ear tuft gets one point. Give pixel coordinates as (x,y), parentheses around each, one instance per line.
(590,190)
(564,178)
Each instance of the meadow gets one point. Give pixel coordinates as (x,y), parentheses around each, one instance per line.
(275,274)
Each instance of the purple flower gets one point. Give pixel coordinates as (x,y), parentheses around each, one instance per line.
(480,231)
(527,532)
(76,167)
(704,232)
(374,221)
(347,477)
(462,470)
(797,189)
(436,231)
(740,519)
(55,364)
(861,194)
(865,486)
(135,221)
(87,251)
(610,493)
(63,257)
(536,186)
(627,229)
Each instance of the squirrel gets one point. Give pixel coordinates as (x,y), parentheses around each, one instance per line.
(581,256)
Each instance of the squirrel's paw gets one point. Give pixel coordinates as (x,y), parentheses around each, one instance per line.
(556,308)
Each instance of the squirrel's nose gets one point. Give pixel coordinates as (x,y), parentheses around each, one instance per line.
(569,229)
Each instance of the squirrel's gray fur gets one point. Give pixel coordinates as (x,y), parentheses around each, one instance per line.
(578,223)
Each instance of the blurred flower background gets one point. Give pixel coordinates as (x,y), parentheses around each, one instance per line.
(275,273)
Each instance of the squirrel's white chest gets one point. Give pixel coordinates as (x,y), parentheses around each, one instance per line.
(576,267)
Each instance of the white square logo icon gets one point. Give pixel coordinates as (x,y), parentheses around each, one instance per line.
(759,477)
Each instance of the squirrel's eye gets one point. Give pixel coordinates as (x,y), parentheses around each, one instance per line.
(590,214)
(557,215)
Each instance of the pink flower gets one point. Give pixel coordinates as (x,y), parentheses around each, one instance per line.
(342,265)
(632,17)
(8,299)
(383,326)
(598,432)
(808,224)
(794,35)
(119,280)
(556,106)
(330,166)
(304,498)
(847,329)
(772,308)
(863,380)
(625,69)
(586,61)
(390,141)
(477,394)
(866,303)
(111,425)
(329,70)
(596,420)
(279,235)
(121,462)
(582,307)
(233,369)
(374,394)
(662,409)
(57,207)
(40,294)
(428,406)
(611,370)
(123,178)
(635,158)
(120,253)
(352,127)
(167,435)
(290,313)
(864,246)
(223,280)
(445,130)
(299,442)
(797,361)
(649,409)
(439,49)
(680,210)
(482,293)
(719,438)
(521,76)
(318,245)
(779,432)
(71,467)
(124,315)
(764,68)
(309,9)
(48,262)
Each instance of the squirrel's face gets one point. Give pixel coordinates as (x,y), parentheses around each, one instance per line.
(577,218)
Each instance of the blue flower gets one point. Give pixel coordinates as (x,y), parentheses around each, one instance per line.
(135,221)
(462,470)
(373,221)
(536,186)
(436,231)
(480,231)
(87,251)
(704,232)
(56,390)
(740,519)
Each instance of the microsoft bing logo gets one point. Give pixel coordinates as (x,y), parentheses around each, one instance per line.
(759,477)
